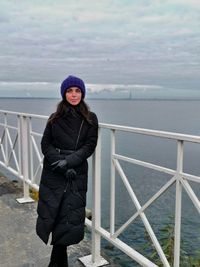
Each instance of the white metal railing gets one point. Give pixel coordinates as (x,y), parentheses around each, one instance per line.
(19,151)
(179,178)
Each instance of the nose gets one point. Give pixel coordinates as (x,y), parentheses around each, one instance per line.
(73,93)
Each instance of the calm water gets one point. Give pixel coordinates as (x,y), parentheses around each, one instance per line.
(175,116)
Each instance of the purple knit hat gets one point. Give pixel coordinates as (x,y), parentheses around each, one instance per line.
(71,81)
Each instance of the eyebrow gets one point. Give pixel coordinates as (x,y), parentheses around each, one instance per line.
(76,89)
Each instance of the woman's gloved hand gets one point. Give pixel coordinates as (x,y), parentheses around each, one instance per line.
(59,165)
(71,174)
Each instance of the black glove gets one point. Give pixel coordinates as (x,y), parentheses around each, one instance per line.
(59,165)
(71,174)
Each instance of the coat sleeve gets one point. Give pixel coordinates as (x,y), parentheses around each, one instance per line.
(80,155)
(48,150)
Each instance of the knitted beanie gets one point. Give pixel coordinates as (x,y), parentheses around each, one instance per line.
(71,81)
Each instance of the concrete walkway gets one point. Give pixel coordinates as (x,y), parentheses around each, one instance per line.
(19,244)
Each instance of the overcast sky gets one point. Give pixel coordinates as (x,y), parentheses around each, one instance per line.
(106,41)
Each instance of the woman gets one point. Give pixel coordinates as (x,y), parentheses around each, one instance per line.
(70,137)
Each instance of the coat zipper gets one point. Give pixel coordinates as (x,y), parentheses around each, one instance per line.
(77,140)
(65,190)
(79,133)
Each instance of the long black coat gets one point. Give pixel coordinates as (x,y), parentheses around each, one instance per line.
(63,213)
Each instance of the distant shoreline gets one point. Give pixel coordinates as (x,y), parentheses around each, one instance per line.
(108,99)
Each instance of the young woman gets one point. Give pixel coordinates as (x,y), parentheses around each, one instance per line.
(70,137)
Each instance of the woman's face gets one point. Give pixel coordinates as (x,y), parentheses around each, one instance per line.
(73,95)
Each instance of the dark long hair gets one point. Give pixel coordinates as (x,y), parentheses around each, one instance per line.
(64,107)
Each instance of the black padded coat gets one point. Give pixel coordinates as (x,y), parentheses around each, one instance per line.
(61,205)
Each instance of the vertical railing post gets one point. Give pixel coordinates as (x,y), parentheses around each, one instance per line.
(177,230)
(24,149)
(31,162)
(95,259)
(112,186)
(6,139)
(19,144)
(96,208)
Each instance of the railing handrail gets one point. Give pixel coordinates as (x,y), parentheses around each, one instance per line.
(137,130)
(23,114)
(156,133)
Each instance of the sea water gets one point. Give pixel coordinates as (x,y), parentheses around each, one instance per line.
(173,116)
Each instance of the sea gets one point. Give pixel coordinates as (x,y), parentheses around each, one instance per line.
(180,116)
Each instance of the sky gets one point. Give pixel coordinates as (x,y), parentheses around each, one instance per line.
(120,42)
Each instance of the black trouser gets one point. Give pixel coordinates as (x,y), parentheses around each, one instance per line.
(59,256)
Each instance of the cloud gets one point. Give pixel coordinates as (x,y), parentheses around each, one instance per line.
(109,41)
(117,87)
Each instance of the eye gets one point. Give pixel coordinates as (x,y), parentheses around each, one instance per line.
(69,90)
(78,90)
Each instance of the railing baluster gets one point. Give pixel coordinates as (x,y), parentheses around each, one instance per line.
(95,259)
(6,138)
(25,159)
(2,142)
(191,194)
(112,186)
(31,151)
(96,210)
(177,229)
(19,144)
